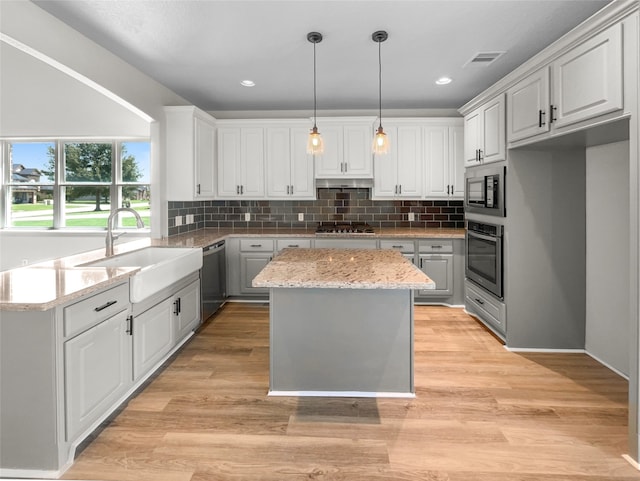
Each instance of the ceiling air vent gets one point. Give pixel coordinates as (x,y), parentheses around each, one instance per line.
(483,59)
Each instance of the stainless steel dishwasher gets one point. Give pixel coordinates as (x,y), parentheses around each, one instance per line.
(213,279)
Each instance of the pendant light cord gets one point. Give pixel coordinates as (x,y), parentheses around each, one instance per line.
(314,84)
(380,84)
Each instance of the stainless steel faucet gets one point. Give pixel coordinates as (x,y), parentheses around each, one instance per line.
(110,236)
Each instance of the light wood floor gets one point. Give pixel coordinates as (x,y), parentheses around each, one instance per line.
(481,414)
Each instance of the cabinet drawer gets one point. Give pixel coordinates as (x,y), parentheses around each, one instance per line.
(92,310)
(399,245)
(293,243)
(256,245)
(487,308)
(436,246)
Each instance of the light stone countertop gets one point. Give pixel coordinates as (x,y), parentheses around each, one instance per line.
(47,284)
(342,269)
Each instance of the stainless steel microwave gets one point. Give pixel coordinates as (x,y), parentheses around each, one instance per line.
(484,189)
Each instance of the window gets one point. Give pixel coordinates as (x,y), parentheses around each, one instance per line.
(67,184)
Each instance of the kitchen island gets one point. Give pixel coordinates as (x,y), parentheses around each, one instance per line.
(341,322)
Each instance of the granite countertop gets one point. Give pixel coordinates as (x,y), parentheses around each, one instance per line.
(342,269)
(205,237)
(48,284)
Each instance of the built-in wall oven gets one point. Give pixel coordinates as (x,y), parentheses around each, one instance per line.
(484,190)
(484,256)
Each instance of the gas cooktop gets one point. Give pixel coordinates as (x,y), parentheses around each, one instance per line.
(341,228)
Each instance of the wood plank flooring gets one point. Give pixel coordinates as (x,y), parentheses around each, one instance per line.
(481,414)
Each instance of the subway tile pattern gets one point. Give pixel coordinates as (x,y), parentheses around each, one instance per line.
(343,204)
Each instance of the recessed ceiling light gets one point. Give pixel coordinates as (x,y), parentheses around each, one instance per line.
(248,83)
(443,81)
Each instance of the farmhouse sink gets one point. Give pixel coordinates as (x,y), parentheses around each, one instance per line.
(159,268)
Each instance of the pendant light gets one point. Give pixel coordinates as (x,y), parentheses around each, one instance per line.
(380,140)
(315,145)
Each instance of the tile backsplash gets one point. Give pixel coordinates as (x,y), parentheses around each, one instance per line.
(341,204)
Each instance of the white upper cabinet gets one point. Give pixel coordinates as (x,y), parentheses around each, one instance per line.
(587,81)
(484,133)
(444,162)
(347,148)
(190,148)
(240,162)
(527,106)
(583,83)
(289,168)
(398,174)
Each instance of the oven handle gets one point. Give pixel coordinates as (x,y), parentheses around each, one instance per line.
(483,236)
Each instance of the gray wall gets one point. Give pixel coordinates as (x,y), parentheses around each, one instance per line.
(607,261)
(545,292)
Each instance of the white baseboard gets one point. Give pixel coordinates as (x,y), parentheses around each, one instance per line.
(343,394)
(550,351)
(9,474)
(607,365)
(631,461)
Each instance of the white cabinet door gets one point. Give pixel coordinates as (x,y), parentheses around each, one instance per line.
(97,366)
(186,310)
(409,160)
(436,158)
(152,336)
(241,162)
(527,104)
(472,137)
(347,149)
(331,162)
(385,180)
(358,156)
(302,183)
(493,145)
(587,81)
(190,153)
(205,166)
(229,160)
(456,162)
(278,148)
(439,268)
(252,161)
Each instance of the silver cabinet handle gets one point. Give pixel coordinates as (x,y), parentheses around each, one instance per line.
(242,189)
(129,329)
(238,189)
(479,301)
(291,190)
(397,247)
(436,247)
(287,190)
(293,245)
(256,245)
(198,188)
(400,189)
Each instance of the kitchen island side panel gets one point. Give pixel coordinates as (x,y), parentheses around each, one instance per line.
(341,340)
(29,434)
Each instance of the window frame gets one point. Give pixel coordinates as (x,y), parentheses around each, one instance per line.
(59,185)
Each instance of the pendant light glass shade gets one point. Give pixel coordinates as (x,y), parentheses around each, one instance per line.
(380,142)
(315,145)
(380,139)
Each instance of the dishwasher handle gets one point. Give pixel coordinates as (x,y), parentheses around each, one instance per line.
(213,248)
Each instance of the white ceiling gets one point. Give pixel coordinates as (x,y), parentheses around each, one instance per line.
(203,49)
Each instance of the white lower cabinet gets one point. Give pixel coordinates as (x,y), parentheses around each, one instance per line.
(97,372)
(186,308)
(152,336)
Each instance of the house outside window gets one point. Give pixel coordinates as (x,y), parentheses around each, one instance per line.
(74,184)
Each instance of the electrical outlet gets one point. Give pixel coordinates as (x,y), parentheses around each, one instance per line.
(178,220)
(412,216)
(301,216)
(247,216)
(189,218)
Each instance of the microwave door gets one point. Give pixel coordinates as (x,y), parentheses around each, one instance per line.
(475,191)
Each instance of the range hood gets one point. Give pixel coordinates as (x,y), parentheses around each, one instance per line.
(344,183)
